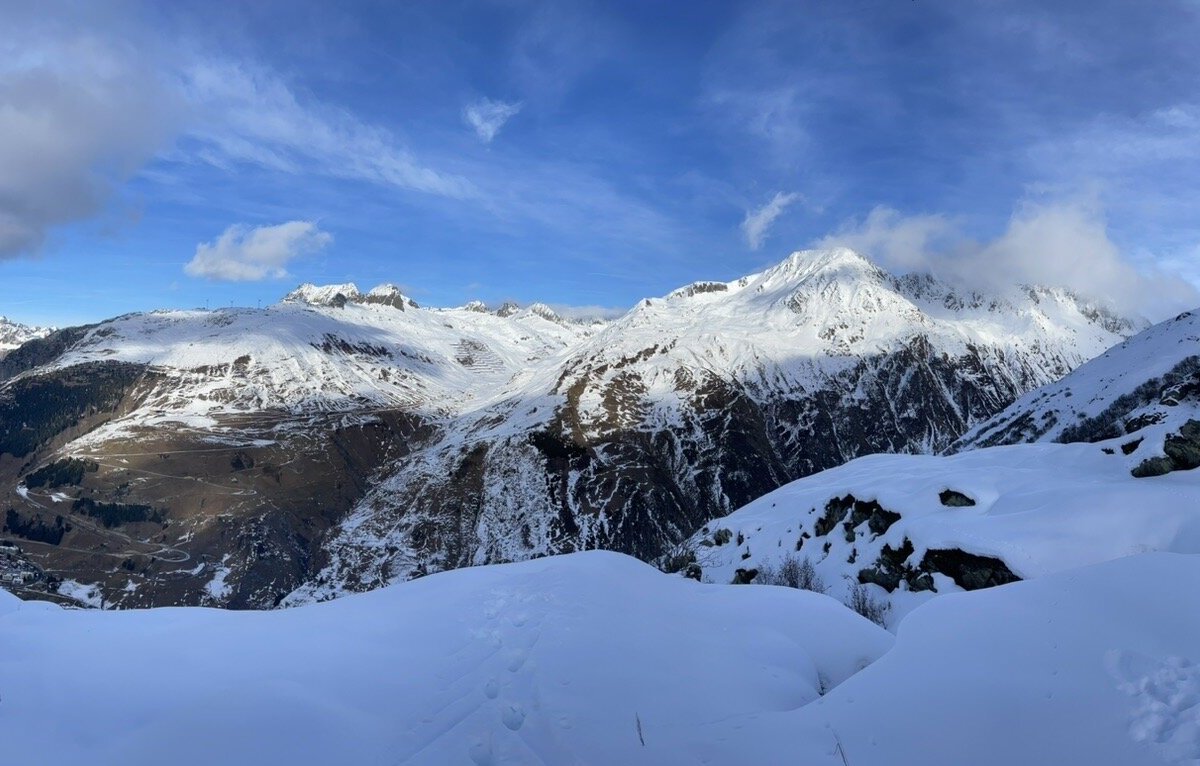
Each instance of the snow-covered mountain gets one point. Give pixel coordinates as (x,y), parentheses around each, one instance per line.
(594,658)
(341,440)
(698,402)
(910,526)
(13,334)
(1144,392)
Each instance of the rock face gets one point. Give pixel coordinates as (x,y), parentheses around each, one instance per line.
(341,440)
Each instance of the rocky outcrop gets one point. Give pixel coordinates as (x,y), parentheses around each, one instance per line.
(1182,453)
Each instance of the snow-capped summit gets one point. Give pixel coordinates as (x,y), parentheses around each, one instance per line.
(508,309)
(545,312)
(323,295)
(834,264)
(389,295)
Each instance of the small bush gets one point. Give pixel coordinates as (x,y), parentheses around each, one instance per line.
(677,560)
(868,606)
(793,572)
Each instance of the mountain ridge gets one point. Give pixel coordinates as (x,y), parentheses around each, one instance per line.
(332,443)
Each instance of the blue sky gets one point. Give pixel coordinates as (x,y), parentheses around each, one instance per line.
(589,154)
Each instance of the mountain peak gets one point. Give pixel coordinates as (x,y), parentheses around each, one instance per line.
(806,264)
(389,295)
(545,312)
(14,334)
(323,295)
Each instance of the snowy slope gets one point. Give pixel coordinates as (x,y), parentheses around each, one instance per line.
(883,520)
(301,357)
(1151,379)
(552,662)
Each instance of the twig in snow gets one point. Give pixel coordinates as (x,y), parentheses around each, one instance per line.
(840,751)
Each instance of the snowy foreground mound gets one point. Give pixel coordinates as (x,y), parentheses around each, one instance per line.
(914,526)
(594,658)
(1096,666)
(552,661)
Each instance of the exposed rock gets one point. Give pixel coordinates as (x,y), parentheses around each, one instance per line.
(968,570)
(744,576)
(1152,466)
(891,567)
(952,498)
(855,512)
(1182,453)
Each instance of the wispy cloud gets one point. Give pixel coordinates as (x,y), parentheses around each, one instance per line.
(486,117)
(560,42)
(250,115)
(772,116)
(243,254)
(756,226)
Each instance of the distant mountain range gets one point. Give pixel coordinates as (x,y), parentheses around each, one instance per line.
(13,334)
(341,440)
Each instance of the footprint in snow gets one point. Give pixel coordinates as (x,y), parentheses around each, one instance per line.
(1166,703)
(481,754)
(512,715)
(516,660)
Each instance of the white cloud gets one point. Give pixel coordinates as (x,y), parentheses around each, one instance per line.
(898,242)
(757,223)
(1060,244)
(82,111)
(588,312)
(243,254)
(486,117)
(77,117)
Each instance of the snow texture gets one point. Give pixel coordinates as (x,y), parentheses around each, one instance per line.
(594,658)
(552,661)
